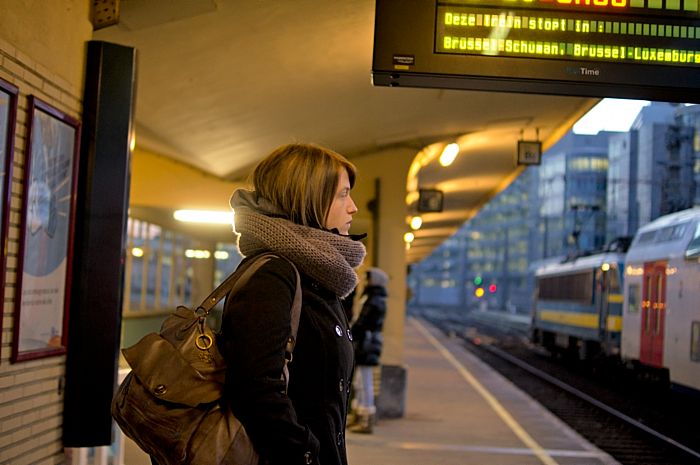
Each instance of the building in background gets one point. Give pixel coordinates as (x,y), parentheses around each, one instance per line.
(498,247)
(588,191)
(652,168)
(438,279)
(622,205)
(485,264)
(689,116)
(664,171)
(572,193)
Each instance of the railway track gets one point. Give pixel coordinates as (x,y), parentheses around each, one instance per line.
(634,423)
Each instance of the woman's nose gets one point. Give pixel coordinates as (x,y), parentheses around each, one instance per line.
(352,208)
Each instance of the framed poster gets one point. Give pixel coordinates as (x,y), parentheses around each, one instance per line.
(46,233)
(8,117)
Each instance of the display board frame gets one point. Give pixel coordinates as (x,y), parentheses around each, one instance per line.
(406,55)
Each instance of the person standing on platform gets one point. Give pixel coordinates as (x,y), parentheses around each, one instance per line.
(367,337)
(300,210)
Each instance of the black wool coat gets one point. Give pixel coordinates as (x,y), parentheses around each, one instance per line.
(306,425)
(367,330)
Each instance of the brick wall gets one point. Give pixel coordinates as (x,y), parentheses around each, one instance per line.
(31,398)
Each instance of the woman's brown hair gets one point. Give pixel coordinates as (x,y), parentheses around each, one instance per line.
(301,180)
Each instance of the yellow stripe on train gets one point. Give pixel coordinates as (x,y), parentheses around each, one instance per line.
(584,320)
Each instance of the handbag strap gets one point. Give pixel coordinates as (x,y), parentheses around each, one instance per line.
(241,276)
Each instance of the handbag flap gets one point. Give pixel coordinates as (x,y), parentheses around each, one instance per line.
(167,375)
(190,334)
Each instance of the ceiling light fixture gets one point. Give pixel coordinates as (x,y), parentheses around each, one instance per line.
(198,254)
(204,216)
(416,222)
(408,237)
(449,153)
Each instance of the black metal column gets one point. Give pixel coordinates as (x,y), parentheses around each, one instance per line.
(98,261)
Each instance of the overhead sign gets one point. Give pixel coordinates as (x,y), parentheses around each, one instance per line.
(529,152)
(648,49)
(430,200)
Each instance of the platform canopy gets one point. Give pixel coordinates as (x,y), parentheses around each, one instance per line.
(221,83)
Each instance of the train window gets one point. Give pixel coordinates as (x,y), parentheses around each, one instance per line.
(633,298)
(669,233)
(693,249)
(664,234)
(695,342)
(646,237)
(679,230)
(571,287)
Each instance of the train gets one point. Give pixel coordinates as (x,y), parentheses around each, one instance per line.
(640,305)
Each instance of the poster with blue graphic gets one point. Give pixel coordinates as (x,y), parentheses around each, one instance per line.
(45,239)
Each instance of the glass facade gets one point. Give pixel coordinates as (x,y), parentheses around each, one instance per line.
(622,208)
(573,183)
(689,117)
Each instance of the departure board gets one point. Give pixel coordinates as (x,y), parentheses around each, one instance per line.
(648,49)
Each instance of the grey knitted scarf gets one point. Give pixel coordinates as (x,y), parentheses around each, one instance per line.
(324,256)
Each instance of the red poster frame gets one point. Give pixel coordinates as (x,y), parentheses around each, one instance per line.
(47,224)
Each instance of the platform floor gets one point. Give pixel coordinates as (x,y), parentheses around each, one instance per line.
(461,412)
(458,412)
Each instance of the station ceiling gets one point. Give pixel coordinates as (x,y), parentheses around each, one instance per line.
(221,83)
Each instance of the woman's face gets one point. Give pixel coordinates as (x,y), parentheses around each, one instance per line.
(341,211)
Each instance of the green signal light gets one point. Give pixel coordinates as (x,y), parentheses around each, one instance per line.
(478,281)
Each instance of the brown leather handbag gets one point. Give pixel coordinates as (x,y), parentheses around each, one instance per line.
(170,403)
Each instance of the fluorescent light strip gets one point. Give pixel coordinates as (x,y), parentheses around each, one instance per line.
(204,216)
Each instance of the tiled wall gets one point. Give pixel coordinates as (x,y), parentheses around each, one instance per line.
(31,398)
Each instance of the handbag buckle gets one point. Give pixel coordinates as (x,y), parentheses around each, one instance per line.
(203,341)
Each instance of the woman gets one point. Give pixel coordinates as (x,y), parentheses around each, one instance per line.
(301,210)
